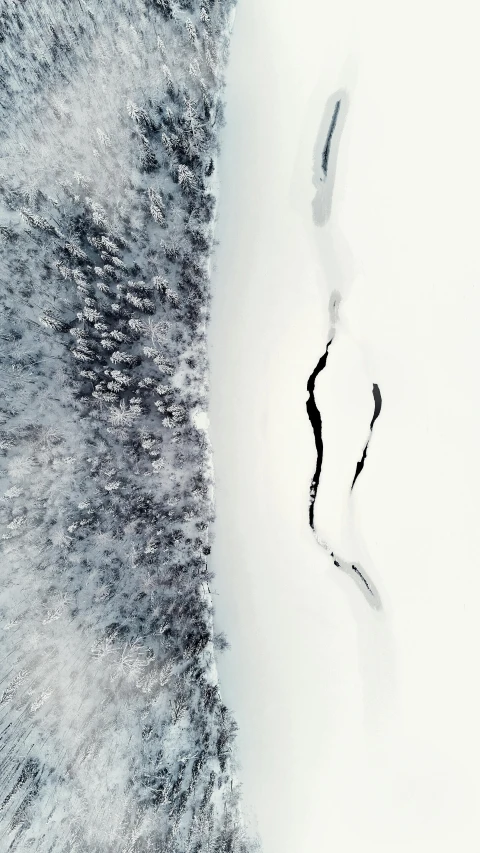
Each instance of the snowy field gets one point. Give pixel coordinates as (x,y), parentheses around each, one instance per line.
(358,728)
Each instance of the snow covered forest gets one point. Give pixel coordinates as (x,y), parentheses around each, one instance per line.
(113,733)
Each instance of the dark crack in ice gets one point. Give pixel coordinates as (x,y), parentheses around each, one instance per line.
(316,422)
(377,397)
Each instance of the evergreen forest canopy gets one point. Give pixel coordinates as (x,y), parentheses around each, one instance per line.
(113,733)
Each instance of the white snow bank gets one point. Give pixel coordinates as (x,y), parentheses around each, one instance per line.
(357,729)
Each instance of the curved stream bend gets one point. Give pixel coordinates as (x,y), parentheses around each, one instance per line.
(355,571)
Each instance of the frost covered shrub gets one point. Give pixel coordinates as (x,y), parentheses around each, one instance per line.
(114,736)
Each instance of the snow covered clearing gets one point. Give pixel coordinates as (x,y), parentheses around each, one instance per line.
(358,727)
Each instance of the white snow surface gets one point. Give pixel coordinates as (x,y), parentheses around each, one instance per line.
(358,729)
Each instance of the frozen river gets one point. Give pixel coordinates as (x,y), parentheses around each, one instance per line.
(358,727)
